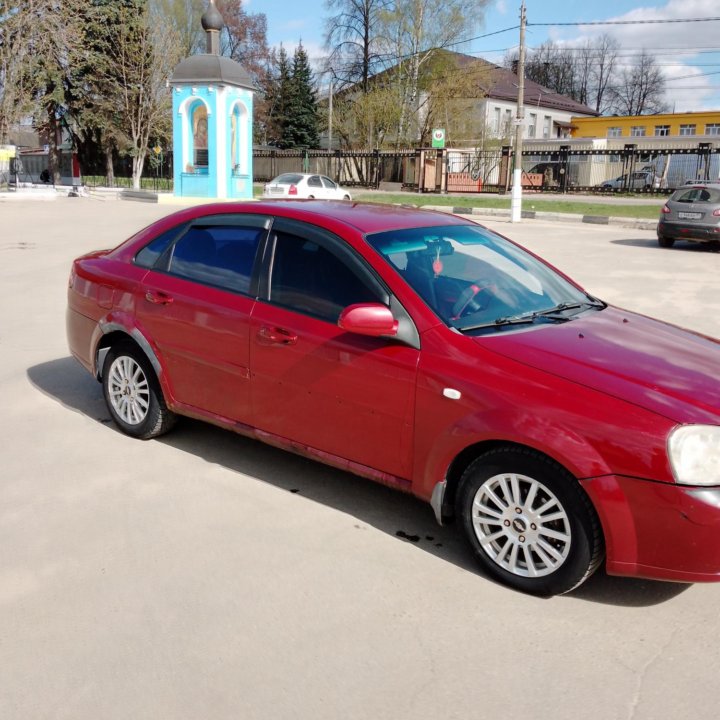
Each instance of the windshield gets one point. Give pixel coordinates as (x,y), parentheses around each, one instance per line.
(475,280)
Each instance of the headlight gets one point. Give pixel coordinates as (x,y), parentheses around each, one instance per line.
(694,452)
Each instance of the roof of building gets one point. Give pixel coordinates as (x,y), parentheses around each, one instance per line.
(502,84)
(216,69)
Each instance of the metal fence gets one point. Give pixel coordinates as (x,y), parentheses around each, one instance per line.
(352,168)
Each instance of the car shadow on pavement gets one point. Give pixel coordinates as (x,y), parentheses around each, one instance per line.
(395,513)
(679,245)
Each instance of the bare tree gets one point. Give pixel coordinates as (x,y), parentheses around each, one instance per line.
(639,89)
(134,84)
(15,90)
(182,18)
(352,34)
(606,52)
(414,30)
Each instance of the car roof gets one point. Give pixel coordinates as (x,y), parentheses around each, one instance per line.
(363,216)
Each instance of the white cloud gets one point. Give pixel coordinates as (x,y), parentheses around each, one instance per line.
(677,48)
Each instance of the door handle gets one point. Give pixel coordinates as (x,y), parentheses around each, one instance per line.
(276,336)
(158,298)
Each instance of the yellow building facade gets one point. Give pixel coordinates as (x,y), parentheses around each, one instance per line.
(704,125)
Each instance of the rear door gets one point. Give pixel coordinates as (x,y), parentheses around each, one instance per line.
(195,304)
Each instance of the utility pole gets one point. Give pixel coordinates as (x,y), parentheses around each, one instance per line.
(516,197)
(330,115)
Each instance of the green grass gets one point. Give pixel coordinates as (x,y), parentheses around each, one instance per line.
(644,211)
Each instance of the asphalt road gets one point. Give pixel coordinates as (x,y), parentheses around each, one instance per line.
(204,575)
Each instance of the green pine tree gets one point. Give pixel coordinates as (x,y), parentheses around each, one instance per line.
(301,129)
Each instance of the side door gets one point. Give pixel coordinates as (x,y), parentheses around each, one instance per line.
(347,395)
(315,187)
(331,189)
(195,304)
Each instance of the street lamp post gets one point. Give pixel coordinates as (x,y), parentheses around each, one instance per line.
(516,197)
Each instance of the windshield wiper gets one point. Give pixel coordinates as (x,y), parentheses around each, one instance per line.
(530,318)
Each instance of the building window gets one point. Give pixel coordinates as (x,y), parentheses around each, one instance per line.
(532,126)
(547,125)
(614,132)
(507,129)
(712,129)
(498,127)
(637,131)
(687,129)
(662,130)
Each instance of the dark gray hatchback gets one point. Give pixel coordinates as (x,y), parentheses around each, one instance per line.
(691,213)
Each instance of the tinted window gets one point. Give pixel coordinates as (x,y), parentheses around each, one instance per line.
(308,278)
(220,255)
(697,194)
(153,250)
(287,179)
(314,181)
(328,183)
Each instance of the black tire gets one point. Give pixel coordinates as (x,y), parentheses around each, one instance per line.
(665,242)
(346,197)
(133,395)
(516,542)
(310,197)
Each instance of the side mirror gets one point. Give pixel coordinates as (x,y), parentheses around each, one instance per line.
(371,319)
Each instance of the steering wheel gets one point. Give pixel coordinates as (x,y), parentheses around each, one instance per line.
(474,298)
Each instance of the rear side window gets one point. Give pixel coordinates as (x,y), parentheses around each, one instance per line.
(149,255)
(314,181)
(218,255)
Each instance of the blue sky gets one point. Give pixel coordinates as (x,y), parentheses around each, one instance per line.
(688,53)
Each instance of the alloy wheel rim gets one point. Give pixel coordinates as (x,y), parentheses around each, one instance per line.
(129,390)
(521,525)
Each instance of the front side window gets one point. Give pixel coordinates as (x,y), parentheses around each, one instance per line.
(328,183)
(314,181)
(310,279)
(473,279)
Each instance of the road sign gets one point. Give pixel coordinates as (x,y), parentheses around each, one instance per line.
(438,138)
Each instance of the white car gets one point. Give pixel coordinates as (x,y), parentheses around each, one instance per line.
(305,185)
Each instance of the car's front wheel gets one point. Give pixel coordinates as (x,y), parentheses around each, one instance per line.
(528,522)
(133,395)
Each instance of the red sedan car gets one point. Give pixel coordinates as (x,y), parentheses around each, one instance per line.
(430,354)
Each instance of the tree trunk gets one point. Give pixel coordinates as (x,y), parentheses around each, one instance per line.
(137,168)
(109,169)
(54,160)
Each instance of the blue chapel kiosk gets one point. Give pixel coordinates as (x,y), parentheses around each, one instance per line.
(212,122)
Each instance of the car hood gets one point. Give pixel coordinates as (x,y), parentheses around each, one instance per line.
(660,367)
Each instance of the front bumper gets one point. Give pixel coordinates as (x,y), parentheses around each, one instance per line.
(659,531)
(687,231)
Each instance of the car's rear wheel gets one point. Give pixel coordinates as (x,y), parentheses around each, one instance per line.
(528,522)
(133,395)
(665,242)
(311,197)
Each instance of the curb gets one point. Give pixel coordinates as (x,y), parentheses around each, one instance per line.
(628,222)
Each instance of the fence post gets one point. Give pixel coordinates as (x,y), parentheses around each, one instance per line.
(376,160)
(564,154)
(504,174)
(704,160)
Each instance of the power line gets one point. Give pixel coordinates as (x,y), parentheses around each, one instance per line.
(624,22)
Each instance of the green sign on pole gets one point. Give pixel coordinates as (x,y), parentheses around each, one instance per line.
(438,138)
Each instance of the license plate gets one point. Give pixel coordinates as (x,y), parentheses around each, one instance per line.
(689,216)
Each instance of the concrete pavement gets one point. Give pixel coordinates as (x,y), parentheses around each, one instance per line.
(203,575)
